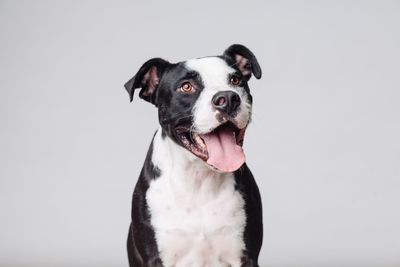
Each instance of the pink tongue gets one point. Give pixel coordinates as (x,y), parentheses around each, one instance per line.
(223,152)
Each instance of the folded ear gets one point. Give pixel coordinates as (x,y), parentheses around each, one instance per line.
(147,78)
(244,59)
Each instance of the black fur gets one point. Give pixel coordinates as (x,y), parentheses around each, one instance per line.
(253,232)
(252,63)
(142,247)
(138,80)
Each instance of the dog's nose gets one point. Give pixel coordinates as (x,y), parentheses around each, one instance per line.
(226,101)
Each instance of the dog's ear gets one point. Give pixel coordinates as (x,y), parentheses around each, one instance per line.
(244,59)
(147,78)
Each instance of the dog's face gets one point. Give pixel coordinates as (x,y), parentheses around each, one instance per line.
(204,104)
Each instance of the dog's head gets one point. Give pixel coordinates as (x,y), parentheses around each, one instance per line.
(204,104)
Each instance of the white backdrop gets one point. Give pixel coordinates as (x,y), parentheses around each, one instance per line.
(324,143)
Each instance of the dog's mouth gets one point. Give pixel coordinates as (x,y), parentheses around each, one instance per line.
(221,148)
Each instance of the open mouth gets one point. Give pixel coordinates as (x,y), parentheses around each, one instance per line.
(220,148)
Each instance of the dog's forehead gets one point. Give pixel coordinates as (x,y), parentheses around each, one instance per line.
(213,70)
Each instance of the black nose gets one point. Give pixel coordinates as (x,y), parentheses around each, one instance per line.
(226,101)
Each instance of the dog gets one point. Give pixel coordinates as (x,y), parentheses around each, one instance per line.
(196,202)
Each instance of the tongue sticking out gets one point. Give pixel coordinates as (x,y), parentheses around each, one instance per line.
(223,152)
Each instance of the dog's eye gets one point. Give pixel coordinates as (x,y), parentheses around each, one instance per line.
(186,87)
(235,80)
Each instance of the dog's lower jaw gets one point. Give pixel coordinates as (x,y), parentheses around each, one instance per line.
(174,157)
(197,214)
(182,167)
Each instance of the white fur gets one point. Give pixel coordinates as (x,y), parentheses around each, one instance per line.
(197,215)
(215,73)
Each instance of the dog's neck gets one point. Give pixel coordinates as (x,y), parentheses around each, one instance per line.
(183,169)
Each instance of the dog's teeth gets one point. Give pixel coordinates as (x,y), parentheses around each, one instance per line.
(199,141)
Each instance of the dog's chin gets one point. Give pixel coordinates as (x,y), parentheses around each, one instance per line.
(221,148)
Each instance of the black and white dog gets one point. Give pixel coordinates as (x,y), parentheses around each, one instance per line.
(196,202)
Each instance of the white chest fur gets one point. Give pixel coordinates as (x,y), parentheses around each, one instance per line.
(197,215)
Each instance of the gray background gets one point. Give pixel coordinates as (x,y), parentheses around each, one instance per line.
(324,142)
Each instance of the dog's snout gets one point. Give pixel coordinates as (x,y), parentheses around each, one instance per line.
(226,101)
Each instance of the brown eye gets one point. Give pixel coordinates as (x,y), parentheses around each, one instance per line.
(235,80)
(186,87)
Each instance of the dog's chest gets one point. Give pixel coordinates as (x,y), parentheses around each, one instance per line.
(197,225)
